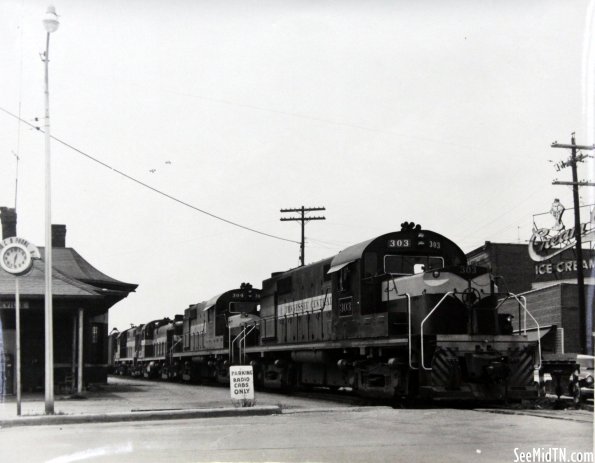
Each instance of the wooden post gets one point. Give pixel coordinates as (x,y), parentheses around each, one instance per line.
(74,351)
(81,363)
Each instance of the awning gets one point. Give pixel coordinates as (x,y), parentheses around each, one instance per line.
(348,255)
(338,267)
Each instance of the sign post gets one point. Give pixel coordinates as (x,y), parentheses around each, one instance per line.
(17,298)
(16,258)
(241,385)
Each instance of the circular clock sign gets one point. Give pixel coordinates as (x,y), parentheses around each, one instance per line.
(16,255)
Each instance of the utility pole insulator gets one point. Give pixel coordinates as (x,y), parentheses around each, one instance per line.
(303,219)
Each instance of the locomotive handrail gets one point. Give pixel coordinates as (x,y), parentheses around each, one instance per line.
(524,316)
(408,318)
(233,342)
(171,349)
(243,335)
(409,328)
(243,354)
(524,306)
(422,328)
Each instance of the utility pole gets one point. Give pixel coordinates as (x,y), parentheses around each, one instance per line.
(585,316)
(303,218)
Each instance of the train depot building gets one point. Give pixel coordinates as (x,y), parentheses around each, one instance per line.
(82,296)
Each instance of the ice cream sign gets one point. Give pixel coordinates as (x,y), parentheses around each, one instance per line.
(546,243)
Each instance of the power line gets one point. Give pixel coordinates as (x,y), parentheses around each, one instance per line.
(155,190)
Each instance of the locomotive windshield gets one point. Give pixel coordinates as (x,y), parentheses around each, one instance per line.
(242,307)
(409,265)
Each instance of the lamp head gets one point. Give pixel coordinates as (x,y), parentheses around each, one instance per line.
(50,20)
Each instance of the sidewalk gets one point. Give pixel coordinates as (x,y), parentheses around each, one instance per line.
(124,399)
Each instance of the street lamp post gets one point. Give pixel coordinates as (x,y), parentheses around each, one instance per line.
(50,23)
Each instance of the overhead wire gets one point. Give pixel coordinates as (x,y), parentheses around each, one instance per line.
(495,219)
(145,185)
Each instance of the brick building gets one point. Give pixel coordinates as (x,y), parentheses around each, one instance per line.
(82,296)
(549,287)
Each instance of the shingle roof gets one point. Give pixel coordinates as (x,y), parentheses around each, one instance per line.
(33,284)
(71,263)
(72,276)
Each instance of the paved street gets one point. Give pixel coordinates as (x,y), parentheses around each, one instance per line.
(308,430)
(367,435)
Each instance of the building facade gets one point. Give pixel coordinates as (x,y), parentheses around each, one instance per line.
(549,288)
(82,297)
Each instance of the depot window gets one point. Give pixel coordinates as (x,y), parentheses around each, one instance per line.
(94,334)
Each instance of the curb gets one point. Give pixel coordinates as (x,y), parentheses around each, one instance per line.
(42,420)
(533,413)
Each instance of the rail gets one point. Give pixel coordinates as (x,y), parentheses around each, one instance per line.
(450,293)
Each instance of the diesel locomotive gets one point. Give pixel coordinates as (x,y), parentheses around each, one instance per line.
(402,315)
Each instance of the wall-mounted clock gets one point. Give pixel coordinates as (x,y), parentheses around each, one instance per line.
(16,255)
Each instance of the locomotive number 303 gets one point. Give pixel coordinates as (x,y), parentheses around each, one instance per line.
(404,243)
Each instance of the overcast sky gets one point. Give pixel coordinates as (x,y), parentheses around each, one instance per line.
(436,112)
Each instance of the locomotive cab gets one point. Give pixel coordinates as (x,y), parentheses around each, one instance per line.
(365,277)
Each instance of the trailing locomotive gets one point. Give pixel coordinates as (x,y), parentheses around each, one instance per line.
(401,315)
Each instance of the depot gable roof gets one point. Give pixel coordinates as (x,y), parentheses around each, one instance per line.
(33,284)
(71,263)
(72,277)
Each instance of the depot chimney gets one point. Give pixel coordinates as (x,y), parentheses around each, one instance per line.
(58,236)
(8,216)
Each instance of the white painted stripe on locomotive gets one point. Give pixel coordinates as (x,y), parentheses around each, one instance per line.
(415,285)
(308,305)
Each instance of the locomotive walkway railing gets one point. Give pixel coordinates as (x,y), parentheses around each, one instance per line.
(518,299)
(241,340)
(450,293)
(523,304)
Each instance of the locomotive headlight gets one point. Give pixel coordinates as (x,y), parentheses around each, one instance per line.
(436,274)
(589,380)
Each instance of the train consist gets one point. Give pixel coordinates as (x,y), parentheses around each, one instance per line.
(398,316)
